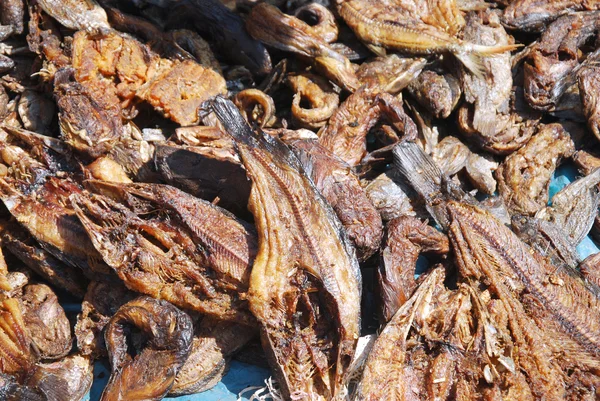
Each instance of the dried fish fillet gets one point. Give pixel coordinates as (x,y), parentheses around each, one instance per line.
(338,184)
(159,256)
(305,282)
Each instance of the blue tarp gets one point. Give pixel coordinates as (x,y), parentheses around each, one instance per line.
(241,376)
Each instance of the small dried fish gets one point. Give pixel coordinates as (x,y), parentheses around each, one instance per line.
(410,28)
(151,373)
(534,15)
(269,25)
(524,176)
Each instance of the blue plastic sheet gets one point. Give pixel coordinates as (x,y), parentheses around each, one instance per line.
(241,375)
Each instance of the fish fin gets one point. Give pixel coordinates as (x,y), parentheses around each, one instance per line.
(473,59)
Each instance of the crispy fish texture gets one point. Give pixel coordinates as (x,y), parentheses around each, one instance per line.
(76,14)
(524,176)
(215,341)
(150,374)
(228,244)
(274,28)
(534,15)
(338,184)
(126,68)
(46,321)
(68,379)
(167,256)
(416,28)
(48,218)
(406,238)
(442,345)
(565,307)
(101,302)
(319,93)
(589,89)
(305,282)
(550,68)
(346,131)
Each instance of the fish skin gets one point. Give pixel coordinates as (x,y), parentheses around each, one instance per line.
(300,241)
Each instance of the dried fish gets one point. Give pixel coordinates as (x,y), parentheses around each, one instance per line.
(551,65)
(438,93)
(256,106)
(76,14)
(102,300)
(269,25)
(226,30)
(305,282)
(589,87)
(406,238)
(197,259)
(46,321)
(574,207)
(390,73)
(390,196)
(421,28)
(321,20)
(534,15)
(345,133)
(48,218)
(314,100)
(524,176)
(212,346)
(151,372)
(338,184)
(565,305)
(590,268)
(69,379)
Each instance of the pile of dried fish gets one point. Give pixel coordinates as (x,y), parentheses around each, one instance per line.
(262,179)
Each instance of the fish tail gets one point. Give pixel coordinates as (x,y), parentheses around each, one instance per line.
(474,56)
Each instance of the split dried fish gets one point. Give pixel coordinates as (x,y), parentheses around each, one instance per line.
(310,339)
(173,257)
